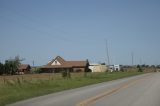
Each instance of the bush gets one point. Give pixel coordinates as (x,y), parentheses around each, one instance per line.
(122,70)
(1,68)
(66,74)
(139,68)
(38,70)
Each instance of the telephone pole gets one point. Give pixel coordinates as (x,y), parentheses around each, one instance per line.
(108,59)
(132,54)
(33,63)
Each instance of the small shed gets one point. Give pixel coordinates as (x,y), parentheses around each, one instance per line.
(98,68)
(24,69)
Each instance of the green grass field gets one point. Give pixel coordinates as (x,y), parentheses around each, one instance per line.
(16,88)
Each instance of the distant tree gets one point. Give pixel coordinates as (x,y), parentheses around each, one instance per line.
(11,65)
(86,69)
(122,69)
(16,63)
(153,66)
(139,68)
(7,67)
(103,63)
(158,66)
(1,68)
(66,73)
(143,65)
(37,70)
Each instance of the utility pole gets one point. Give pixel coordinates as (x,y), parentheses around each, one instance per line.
(140,61)
(132,54)
(34,68)
(33,63)
(108,59)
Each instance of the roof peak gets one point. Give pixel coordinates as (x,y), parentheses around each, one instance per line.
(59,57)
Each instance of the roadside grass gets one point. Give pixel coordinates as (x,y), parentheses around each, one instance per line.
(21,88)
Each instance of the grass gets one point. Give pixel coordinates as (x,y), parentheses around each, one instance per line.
(20,88)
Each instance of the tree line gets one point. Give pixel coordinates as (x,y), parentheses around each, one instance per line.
(10,67)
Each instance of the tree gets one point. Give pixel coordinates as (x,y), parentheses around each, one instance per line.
(86,69)
(66,73)
(158,66)
(11,65)
(16,63)
(1,68)
(122,69)
(153,66)
(139,68)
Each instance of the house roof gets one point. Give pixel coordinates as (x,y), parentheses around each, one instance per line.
(65,64)
(23,66)
(60,59)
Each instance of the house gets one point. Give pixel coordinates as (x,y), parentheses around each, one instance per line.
(59,64)
(117,67)
(114,68)
(98,67)
(24,69)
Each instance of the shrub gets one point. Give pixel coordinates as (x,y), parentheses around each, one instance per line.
(66,74)
(139,68)
(38,70)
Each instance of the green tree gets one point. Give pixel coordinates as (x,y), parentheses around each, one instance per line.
(11,65)
(66,73)
(1,68)
(139,68)
(86,69)
(7,67)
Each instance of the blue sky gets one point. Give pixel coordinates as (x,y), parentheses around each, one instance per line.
(39,30)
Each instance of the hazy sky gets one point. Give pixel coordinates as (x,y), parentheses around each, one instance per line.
(39,30)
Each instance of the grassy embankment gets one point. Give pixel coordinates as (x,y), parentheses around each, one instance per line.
(22,87)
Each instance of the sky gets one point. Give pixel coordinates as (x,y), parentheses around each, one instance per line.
(39,30)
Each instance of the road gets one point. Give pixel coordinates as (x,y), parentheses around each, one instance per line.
(141,90)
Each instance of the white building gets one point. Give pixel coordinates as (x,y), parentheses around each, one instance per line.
(98,68)
(114,68)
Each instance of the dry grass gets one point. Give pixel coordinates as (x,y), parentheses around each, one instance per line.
(29,77)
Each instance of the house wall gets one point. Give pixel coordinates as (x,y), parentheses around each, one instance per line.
(114,68)
(98,68)
(78,69)
(117,67)
(47,70)
(23,71)
(26,71)
(56,70)
(56,63)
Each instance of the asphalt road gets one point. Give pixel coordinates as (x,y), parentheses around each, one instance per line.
(141,90)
